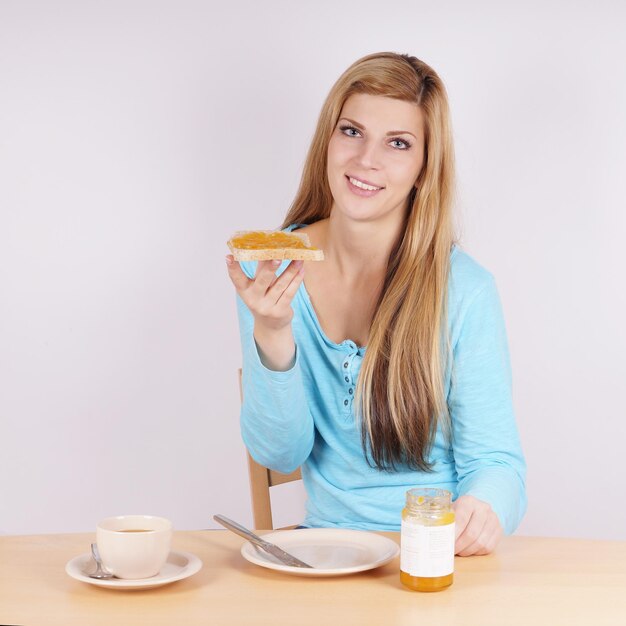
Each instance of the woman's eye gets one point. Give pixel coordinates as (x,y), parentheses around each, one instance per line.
(350,131)
(401,144)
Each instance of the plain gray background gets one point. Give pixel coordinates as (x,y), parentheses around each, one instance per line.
(135,137)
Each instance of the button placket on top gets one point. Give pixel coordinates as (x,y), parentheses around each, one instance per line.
(347,374)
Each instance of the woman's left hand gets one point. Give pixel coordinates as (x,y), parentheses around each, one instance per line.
(478,528)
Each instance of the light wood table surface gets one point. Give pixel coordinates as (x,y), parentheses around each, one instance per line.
(528,580)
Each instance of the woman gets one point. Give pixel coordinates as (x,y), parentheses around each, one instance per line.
(429,402)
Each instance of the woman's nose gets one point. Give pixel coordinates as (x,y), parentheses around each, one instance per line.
(368,155)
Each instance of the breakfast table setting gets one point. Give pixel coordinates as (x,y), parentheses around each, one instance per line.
(351,577)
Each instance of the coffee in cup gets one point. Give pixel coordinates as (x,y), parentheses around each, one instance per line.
(134,546)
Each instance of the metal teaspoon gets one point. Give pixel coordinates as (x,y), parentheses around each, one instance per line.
(100,573)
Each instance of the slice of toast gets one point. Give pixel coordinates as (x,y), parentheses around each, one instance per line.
(265,245)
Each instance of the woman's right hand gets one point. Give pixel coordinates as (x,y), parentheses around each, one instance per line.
(269,299)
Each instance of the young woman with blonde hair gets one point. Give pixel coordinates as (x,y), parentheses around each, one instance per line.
(428,403)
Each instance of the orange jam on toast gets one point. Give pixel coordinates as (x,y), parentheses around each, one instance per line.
(259,240)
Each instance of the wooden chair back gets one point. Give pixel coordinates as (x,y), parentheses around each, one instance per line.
(261,479)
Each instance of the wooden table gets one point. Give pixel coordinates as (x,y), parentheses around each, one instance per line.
(528,580)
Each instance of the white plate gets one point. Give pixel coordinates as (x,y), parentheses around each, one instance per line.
(331,551)
(179,565)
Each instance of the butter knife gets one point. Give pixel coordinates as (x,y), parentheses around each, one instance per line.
(270,548)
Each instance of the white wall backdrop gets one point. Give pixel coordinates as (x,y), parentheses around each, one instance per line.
(136,136)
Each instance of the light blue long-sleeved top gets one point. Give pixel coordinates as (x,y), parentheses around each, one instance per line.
(305,416)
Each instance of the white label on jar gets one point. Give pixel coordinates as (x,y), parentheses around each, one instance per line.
(426,551)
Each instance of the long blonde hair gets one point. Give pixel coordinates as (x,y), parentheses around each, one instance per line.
(400,392)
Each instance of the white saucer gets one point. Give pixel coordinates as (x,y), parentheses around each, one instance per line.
(331,551)
(179,565)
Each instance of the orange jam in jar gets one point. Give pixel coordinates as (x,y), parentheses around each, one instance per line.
(427,540)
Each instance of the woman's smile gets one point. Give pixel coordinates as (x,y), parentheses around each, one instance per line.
(361,188)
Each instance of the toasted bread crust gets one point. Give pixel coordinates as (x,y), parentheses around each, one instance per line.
(266,254)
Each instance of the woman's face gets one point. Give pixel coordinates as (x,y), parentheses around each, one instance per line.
(375,155)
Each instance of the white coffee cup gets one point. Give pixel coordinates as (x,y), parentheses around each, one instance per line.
(134,546)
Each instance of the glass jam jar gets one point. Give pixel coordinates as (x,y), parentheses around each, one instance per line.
(427,540)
